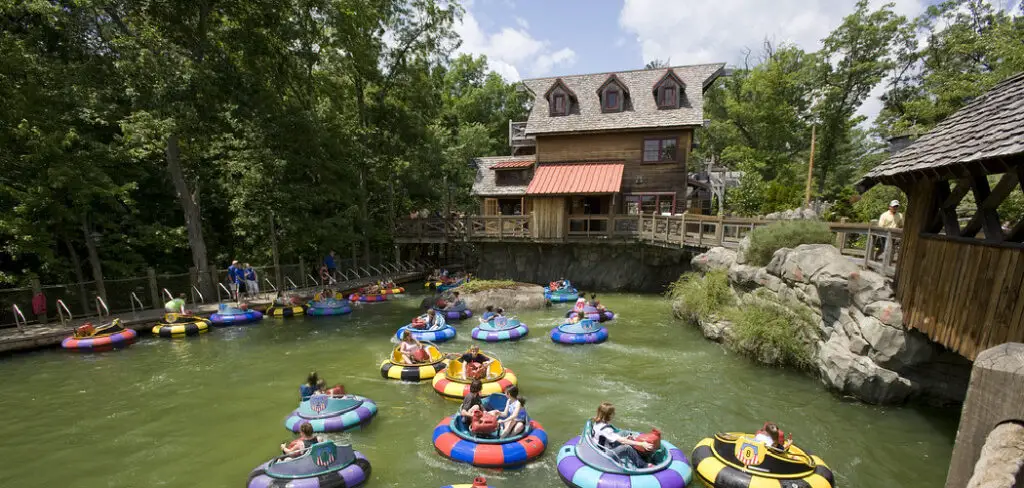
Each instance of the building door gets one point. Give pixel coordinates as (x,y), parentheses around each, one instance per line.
(490,206)
(549,216)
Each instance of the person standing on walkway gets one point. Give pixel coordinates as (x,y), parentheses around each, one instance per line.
(329,262)
(234,278)
(252,282)
(892,218)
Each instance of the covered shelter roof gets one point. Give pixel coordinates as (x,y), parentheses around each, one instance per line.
(576,179)
(485,184)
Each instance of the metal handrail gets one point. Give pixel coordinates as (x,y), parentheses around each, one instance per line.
(62,308)
(220,286)
(315,282)
(355,273)
(22,322)
(272,287)
(365,271)
(135,300)
(374,269)
(101,304)
(195,291)
(290,282)
(168,294)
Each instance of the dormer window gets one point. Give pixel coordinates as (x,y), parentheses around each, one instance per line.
(560,99)
(611,100)
(558,104)
(668,91)
(613,94)
(668,97)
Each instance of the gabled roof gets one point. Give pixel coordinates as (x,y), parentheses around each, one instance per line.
(990,127)
(613,79)
(558,82)
(484,184)
(576,179)
(670,75)
(522,163)
(644,113)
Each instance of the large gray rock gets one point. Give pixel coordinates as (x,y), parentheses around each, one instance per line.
(523,297)
(716,330)
(867,287)
(856,375)
(806,260)
(768,280)
(743,275)
(894,347)
(741,250)
(778,260)
(833,282)
(714,258)
(889,313)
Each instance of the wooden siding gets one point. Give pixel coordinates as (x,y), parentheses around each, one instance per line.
(628,148)
(967,296)
(549,216)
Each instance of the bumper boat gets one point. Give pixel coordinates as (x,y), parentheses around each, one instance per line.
(328,307)
(441,334)
(561,295)
(454,440)
(359,297)
(479,482)
(736,460)
(104,337)
(499,329)
(585,332)
(583,464)
(592,313)
(277,310)
(397,290)
(178,326)
(455,314)
(454,385)
(324,465)
(227,315)
(327,413)
(395,369)
(450,285)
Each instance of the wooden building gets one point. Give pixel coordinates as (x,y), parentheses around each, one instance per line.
(600,145)
(959,278)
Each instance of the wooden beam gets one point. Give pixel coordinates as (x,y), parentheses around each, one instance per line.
(935,219)
(986,216)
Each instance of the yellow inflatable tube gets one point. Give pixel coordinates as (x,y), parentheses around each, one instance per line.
(454,385)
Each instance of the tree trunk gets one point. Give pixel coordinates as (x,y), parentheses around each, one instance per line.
(193,218)
(76,263)
(94,258)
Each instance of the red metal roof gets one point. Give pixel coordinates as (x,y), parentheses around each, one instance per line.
(512,164)
(562,179)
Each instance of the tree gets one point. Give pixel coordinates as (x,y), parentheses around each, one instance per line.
(658,63)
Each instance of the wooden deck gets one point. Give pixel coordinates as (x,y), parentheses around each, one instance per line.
(696,232)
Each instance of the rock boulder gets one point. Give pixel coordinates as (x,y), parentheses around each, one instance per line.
(523,297)
(715,258)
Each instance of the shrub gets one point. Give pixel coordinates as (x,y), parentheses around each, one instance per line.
(764,241)
(701,297)
(773,333)
(476,285)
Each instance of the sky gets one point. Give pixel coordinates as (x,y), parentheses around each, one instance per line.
(536,38)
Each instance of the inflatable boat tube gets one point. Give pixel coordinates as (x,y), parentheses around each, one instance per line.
(332,413)
(432,284)
(285,310)
(453,385)
(581,464)
(182,326)
(328,307)
(449,286)
(393,367)
(499,329)
(585,332)
(90,338)
(592,313)
(453,440)
(234,316)
(398,290)
(717,463)
(561,296)
(324,465)
(455,314)
(479,482)
(359,297)
(445,333)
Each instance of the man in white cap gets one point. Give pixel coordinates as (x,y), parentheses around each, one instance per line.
(892,218)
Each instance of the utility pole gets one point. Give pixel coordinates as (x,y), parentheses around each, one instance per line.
(274,251)
(810,172)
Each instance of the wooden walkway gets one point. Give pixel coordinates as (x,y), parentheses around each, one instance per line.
(695,232)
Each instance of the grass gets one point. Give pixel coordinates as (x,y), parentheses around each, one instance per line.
(772,333)
(701,297)
(484,285)
(764,241)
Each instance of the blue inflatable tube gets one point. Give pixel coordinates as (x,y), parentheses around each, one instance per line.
(576,466)
(329,307)
(561,296)
(496,331)
(585,332)
(445,333)
(455,314)
(594,314)
(236,317)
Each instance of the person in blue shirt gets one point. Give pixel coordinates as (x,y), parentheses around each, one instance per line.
(329,262)
(252,283)
(235,277)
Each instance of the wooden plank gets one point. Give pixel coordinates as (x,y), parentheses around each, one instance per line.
(1002,271)
(1009,294)
(977,297)
(936,219)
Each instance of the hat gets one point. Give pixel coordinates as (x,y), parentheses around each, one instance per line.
(894,203)
(236,261)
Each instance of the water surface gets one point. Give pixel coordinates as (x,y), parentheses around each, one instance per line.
(204,411)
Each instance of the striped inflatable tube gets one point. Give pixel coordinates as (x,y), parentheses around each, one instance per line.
(561,296)
(455,314)
(193,327)
(355,474)
(579,334)
(724,470)
(393,291)
(511,454)
(118,340)
(350,419)
(592,313)
(479,482)
(394,368)
(445,333)
(574,472)
(285,310)
(457,389)
(236,318)
(336,307)
(359,297)
(489,333)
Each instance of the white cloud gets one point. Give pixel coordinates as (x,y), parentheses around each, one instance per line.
(720,31)
(512,51)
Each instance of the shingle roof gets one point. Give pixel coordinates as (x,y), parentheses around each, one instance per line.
(520,163)
(577,178)
(991,126)
(644,112)
(484,184)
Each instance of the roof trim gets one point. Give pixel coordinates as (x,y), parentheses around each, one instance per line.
(668,74)
(558,82)
(612,79)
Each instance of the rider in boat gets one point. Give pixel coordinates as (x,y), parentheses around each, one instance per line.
(457,303)
(410,349)
(772,436)
(305,441)
(312,385)
(471,402)
(488,314)
(622,448)
(581,301)
(513,418)
(176,306)
(473,360)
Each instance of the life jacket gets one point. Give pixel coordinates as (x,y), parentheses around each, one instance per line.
(39,304)
(295,444)
(418,323)
(420,355)
(475,370)
(602,440)
(336,390)
(480,482)
(483,423)
(781,441)
(653,437)
(553,285)
(85,330)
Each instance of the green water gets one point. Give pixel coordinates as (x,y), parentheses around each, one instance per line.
(204,411)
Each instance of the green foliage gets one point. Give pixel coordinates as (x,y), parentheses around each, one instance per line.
(772,333)
(876,201)
(701,297)
(764,241)
(476,285)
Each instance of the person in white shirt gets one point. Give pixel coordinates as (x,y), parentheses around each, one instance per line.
(892,218)
(621,447)
(581,302)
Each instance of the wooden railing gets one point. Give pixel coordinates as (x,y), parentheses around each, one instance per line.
(875,247)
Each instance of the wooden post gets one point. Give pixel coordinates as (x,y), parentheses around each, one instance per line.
(810,172)
(682,230)
(841,237)
(154,291)
(501,227)
(700,232)
(302,270)
(37,288)
(720,231)
(868,248)
(193,278)
(887,253)
(214,280)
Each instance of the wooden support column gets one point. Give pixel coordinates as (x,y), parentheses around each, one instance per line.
(988,201)
(37,288)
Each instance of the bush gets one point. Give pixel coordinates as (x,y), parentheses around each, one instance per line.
(773,333)
(701,297)
(764,241)
(476,285)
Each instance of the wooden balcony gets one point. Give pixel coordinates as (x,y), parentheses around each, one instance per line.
(517,137)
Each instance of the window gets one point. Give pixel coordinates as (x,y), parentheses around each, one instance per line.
(668,97)
(662,203)
(558,103)
(611,99)
(512,177)
(660,150)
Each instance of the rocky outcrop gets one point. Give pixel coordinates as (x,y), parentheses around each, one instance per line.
(793,214)
(523,297)
(862,347)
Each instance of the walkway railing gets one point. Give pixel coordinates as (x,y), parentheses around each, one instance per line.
(877,248)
